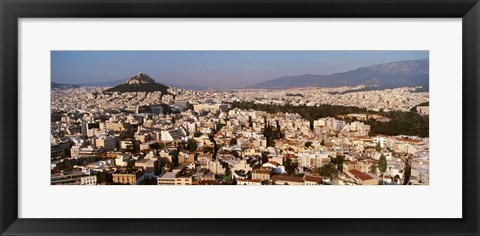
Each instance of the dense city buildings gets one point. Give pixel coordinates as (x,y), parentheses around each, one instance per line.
(347,135)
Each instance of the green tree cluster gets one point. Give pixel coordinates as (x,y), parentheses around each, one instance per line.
(406,123)
(192,145)
(233,141)
(339,162)
(268,133)
(382,164)
(104,177)
(328,170)
(290,166)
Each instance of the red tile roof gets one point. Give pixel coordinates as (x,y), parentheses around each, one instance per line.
(273,163)
(408,140)
(287,178)
(312,178)
(262,171)
(360,175)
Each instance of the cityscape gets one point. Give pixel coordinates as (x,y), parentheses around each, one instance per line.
(240,118)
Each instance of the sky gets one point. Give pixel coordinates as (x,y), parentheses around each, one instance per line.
(213,69)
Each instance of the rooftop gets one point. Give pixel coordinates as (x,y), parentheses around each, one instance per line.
(287,178)
(168,175)
(262,171)
(311,178)
(360,175)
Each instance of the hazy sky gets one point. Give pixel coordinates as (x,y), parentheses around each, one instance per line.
(215,69)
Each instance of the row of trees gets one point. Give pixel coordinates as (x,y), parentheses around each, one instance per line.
(406,123)
(272,134)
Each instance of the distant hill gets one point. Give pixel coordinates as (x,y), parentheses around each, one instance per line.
(188,87)
(116,82)
(139,83)
(54,85)
(387,75)
(102,84)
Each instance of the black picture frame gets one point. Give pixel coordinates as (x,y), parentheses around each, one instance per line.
(12,10)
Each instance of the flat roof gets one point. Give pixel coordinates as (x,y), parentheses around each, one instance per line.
(168,175)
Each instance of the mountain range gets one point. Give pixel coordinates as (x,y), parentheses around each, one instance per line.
(102,84)
(54,85)
(388,75)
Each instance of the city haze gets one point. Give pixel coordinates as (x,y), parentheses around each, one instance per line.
(212,69)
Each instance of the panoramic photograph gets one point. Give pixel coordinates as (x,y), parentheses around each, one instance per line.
(239,117)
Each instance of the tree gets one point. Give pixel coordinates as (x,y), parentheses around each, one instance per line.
(270,141)
(328,170)
(104,177)
(180,146)
(215,146)
(233,141)
(405,123)
(265,157)
(278,131)
(268,133)
(290,166)
(378,147)
(408,171)
(191,145)
(407,174)
(228,172)
(308,144)
(339,161)
(373,169)
(382,164)
(219,127)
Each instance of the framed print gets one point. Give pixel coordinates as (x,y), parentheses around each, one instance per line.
(239,117)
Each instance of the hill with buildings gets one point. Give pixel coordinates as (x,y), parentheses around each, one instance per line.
(139,83)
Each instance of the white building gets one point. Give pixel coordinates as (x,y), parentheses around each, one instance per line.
(249,182)
(170,178)
(380,140)
(423,110)
(109,143)
(88,180)
(312,159)
(167,179)
(172,134)
(276,167)
(216,167)
(122,160)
